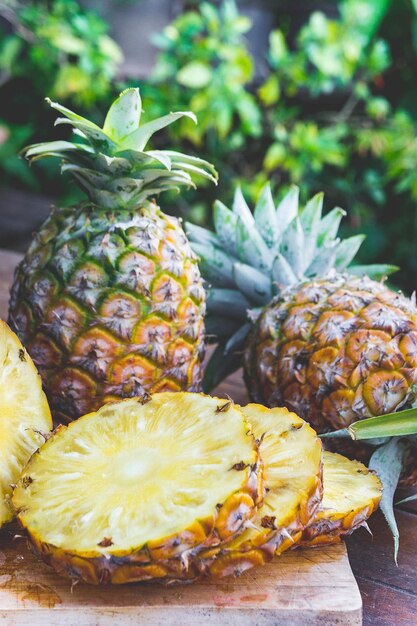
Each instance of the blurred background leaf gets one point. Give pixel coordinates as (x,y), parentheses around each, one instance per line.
(320,93)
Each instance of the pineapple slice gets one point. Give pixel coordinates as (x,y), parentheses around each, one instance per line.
(351,493)
(291,452)
(118,492)
(24,414)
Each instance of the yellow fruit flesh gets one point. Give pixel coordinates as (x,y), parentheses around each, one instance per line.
(291,453)
(351,493)
(134,474)
(23,411)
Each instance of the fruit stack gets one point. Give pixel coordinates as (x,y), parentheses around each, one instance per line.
(172,487)
(155,481)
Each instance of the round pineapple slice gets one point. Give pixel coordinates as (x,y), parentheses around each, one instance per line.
(351,493)
(118,492)
(291,453)
(24,414)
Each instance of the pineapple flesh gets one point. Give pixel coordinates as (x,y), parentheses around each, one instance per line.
(109,299)
(24,415)
(291,453)
(137,484)
(351,493)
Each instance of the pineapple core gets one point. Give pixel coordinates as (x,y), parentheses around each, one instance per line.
(134,473)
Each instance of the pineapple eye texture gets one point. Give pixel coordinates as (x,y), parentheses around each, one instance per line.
(135,473)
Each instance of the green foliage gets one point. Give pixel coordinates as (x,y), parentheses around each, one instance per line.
(331,108)
(65,49)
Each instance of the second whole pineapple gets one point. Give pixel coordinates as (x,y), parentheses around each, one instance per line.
(313,332)
(108,299)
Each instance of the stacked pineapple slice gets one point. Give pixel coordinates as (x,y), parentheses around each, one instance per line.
(178,486)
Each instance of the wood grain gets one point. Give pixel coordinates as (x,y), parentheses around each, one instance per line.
(314,587)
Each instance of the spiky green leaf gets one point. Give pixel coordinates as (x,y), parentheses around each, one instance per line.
(387,462)
(323,261)
(265,217)
(292,247)
(241,209)
(225,225)
(251,248)
(347,250)
(287,209)
(219,367)
(237,341)
(375,271)
(282,273)
(310,218)
(329,226)
(229,302)
(216,266)
(123,117)
(138,139)
(252,283)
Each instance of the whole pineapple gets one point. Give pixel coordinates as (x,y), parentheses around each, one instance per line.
(313,332)
(108,299)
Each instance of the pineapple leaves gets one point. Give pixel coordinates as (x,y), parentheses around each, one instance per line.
(347,250)
(265,218)
(250,246)
(123,117)
(229,302)
(282,273)
(225,224)
(310,218)
(287,210)
(219,367)
(252,283)
(241,209)
(138,139)
(376,271)
(387,462)
(329,226)
(216,266)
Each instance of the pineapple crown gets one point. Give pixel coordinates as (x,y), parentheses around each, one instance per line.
(250,258)
(111,163)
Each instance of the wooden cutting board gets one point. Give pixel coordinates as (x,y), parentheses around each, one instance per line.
(313,587)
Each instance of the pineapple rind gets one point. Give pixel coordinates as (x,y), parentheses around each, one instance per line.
(351,493)
(24,414)
(110,306)
(291,452)
(194,444)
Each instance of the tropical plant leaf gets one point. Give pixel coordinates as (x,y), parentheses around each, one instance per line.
(225,224)
(138,139)
(123,117)
(252,283)
(387,462)
(376,271)
(287,209)
(346,251)
(220,366)
(265,217)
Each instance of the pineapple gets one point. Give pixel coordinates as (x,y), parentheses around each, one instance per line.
(139,484)
(351,493)
(313,332)
(108,299)
(291,453)
(24,414)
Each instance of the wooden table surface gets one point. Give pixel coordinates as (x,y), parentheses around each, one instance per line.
(389,592)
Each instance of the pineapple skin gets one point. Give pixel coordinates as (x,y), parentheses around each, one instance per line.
(334,350)
(166,559)
(110,305)
(333,522)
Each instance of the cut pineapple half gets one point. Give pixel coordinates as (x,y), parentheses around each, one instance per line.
(291,453)
(123,489)
(24,414)
(351,493)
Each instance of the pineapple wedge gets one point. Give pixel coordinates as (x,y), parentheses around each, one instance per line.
(351,493)
(291,452)
(119,492)
(24,414)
